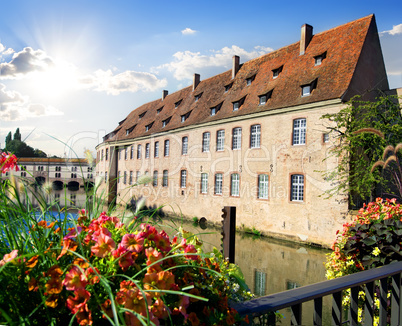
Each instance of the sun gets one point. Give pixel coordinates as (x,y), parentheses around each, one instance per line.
(55,81)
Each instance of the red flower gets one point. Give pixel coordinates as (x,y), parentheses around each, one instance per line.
(8,162)
(132,242)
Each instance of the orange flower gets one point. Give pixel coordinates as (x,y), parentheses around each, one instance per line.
(51,301)
(105,244)
(54,285)
(31,263)
(192,317)
(33,284)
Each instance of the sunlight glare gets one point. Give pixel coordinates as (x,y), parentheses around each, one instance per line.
(55,81)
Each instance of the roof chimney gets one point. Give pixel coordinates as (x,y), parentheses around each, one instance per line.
(196,81)
(164,94)
(235,65)
(306,36)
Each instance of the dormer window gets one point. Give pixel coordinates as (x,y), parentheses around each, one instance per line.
(238,104)
(159,110)
(264,97)
(184,117)
(165,122)
(228,87)
(176,105)
(215,109)
(319,58)
(197,97)
(148,127)
(276,72)
(250,80)
(141,115)
(308,88)
(129,130)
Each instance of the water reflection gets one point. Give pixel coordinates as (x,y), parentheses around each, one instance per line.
(269,265)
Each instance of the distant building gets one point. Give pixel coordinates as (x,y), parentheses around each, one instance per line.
(62,174)
(250,137)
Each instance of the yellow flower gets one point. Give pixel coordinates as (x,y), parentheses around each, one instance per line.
(376,251)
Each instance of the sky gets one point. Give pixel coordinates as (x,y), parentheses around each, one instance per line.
(71,70)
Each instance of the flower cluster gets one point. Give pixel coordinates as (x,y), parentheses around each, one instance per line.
(8,162)
(372,239)
(104,272)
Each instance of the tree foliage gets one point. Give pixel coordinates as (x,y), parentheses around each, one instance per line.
(20,148)
(363,130)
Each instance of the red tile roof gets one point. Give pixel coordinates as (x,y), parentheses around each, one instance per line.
(342,46)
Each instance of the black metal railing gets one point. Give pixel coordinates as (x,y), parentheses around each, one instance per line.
(383,283)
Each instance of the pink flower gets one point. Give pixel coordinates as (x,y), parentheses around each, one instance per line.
(132,242)
(104,245)
(191,249)
(9,257)
(75,279)
(8,162)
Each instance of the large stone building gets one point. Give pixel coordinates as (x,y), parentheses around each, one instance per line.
(250,137)
(66,177)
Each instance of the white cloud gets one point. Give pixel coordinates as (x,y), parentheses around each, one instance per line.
(188,31)
(186,63)
(127,81)
(14,107)
(25,62)
(396,29)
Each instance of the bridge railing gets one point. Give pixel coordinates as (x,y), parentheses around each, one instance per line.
(385,281)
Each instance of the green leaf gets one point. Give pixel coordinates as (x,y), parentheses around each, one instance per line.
(370,240)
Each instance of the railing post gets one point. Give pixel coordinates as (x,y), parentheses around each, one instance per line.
(229,232)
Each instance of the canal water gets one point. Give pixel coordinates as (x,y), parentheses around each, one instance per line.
(270,265)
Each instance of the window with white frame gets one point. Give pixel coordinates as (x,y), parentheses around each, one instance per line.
(125,177)
(307,89)
(130,180)
(236,106)
(107,154)
(118,176)
(155,178)
(132,152)
(184,145)
(147,150)
(120,150)
(204,183)
(236,138)
(146,174)
(206,137)
(263,186)
(218,184)
(220,140)
(156,149)
(166,148)
(125,153)
(105,176)
(299,131)
(319,58)
(139,151)
(297,187)
(183,178)
(276,72)
(235,184)
(102,154)
(255,136)
(165,178)
(137,176)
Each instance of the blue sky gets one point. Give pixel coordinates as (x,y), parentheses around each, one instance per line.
(71,70)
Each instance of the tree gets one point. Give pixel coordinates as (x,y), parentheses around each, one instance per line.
(363,129)
(8,138)
(17,135)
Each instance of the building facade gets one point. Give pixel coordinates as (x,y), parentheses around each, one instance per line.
(67,177)
(251,137)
